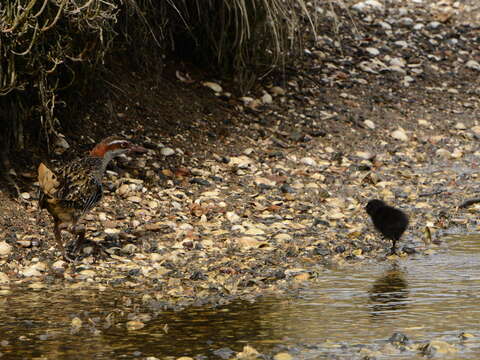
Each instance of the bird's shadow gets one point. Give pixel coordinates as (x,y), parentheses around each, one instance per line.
(389,293)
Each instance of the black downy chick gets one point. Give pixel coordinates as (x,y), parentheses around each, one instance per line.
(391,222)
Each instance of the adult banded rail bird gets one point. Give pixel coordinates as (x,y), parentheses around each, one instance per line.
(76,188)
(391,222)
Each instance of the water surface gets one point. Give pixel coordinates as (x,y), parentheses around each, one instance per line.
(424,297)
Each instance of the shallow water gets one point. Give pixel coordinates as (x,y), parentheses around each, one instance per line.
(425,297)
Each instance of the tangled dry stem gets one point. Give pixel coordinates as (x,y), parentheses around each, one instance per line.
(44,43)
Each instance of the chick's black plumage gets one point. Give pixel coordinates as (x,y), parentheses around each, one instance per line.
(391,222)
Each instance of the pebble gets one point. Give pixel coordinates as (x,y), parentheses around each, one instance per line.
(435,347)
(232,217)
(267,98)
(283,356)
(123,189)
(25,195)
(399,134)
(166,151)
(58,265)
(444,153)
(213,86)
(200,181)
(368,5)
(433,25)
(406,21)
(308,161)
(5,249)
(4,279)
(31,271)
(134,325)
(277,90)
(247,242)
(418,27)
(399,339)
(76,323)
(129,249)
(472,64)
(423,122)
(369,124)
(283,237)
(135,199)
(372,51)
(112,231)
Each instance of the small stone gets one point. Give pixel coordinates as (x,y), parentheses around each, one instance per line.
(166,151)
(401,43)
(438,347)
(369,124)
(213,86)
(123,189)
(267,98)
(368,5)
(200,181)
(444,153)
(247,242)
(460,126)
(76,323)
(232,217)
(406,21)
(472,64)
(129,249)
(399,134)
(476,130)
(88,273)
(287,189)
(372,51)
(5,249)
(4,279)
(31,271)
(135,199)
(283,237)
(457,154)
(283,356)
(25,195)
(321,250)
(277,90)
(112,231)
(308,161)
(396,61)
(156,257)
(385,26)
(152,204)
(418,27)
(423,122)
(134,325)
(433,25)
(399,339)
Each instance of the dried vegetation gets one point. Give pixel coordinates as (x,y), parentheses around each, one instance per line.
(48,46)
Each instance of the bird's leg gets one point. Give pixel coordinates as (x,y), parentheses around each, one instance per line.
(79,231)
(57,230)
(393,250)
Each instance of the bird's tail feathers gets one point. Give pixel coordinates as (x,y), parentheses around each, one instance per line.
(47,180)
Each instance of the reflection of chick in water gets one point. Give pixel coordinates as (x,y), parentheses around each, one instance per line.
(389,292)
